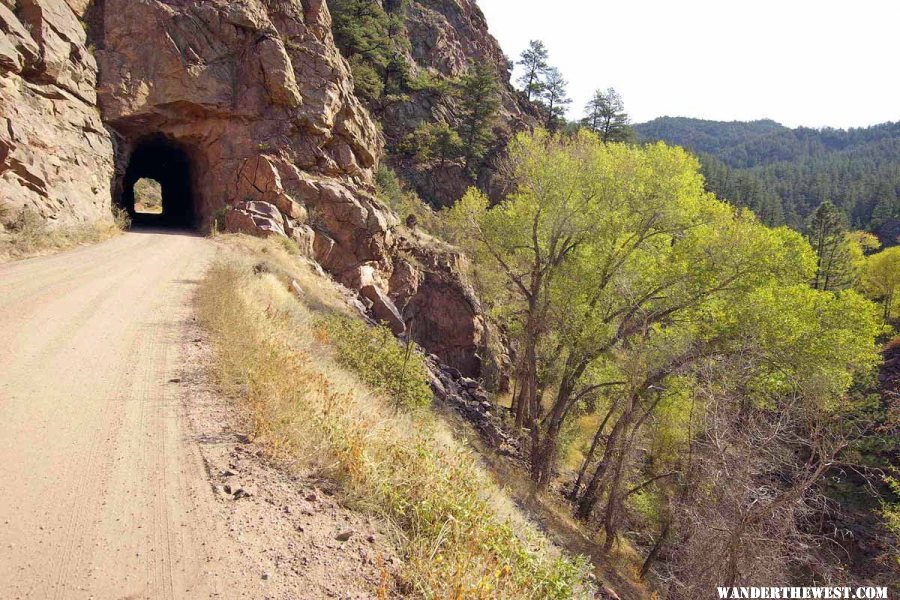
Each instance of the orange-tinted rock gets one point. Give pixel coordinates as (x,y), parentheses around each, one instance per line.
(56,157)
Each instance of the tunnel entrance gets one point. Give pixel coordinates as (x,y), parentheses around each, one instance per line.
(159,167)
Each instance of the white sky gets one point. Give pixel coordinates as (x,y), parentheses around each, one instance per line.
(800,62)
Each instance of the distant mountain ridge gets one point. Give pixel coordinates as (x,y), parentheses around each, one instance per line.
(783,174)
(706,136)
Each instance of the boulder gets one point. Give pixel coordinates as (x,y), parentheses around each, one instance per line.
(383,308)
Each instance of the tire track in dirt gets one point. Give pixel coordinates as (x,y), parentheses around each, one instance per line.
(114,447)
(91,445)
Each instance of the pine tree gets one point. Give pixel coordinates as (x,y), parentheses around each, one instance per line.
(827,235)
(375,41)
(605,114)
(479,97)
(534,60)
(556,98)
(361,29)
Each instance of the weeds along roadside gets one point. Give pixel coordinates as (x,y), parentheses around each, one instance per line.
(28,234)
(286,363)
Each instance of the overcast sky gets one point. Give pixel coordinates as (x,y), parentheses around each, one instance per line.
(801,62)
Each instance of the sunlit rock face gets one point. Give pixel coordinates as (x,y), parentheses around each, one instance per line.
(247,108)
(254,92)
(56,157)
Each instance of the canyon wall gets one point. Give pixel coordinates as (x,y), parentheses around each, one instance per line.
(446,37)
(56,156)
(252,99)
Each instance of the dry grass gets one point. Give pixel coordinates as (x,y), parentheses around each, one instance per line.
(28,234)
(460,537)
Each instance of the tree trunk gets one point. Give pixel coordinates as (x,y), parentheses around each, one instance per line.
(613,499)
(654,552)
(576,489)
(528,400)
(590,496)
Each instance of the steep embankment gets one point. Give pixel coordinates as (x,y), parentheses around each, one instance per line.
(329,394)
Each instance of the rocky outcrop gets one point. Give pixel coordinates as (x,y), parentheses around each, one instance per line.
(258,98)
(254,92)
(56,157)
(471,400)
(244,111)
(446,37)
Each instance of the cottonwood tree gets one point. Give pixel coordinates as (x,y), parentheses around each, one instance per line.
(615,273)
(676,320)
(881,279)
(808,346)
(605,115)
(598,243)
(521,246)
(534,62)
(784,358)
(776,418)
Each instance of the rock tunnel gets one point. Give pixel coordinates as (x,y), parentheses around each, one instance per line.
(167,163)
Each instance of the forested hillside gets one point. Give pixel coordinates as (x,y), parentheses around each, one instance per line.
(785,174)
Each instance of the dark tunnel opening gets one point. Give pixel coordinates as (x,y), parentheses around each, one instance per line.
(161,161)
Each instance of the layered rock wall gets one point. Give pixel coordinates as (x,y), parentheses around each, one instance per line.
(56,156)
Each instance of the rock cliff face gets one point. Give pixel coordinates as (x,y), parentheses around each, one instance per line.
(244,111)
(56,157)
(446,37)
(253,92)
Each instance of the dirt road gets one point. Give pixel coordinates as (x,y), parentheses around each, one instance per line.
(103,493)
(117,454)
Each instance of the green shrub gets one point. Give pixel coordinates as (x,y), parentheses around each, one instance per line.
(385,364)
(407,203)
(366,81)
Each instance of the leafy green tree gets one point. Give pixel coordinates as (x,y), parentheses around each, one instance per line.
(479,103)
(615,273)
(605,115)
(534,62)
(555,98)
(435,143)
(881,279)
